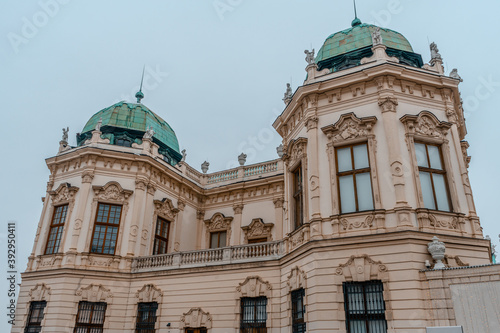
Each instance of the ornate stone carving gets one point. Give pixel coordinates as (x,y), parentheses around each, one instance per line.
(296,151)
(258,229)
(426,124)
(312,123)
(100,262)
(219,222)
(376,37)
(141,184)
(435,52)
(278,202)
(65,193)
(437,249)
(279,151)
(112,191)
(362,268)
(196,317)
(254,286)
(349,224)
(181,204)
(349,127)
(296,279)
(87,177)
(149,293)
(200,214)
(65,134)
(39,292)
(454,75)
(204,166)
(448,222)
(148,135)
(238,208)
(165,209)
(242,158)
(388,104)
(94,293)
(465,145)
(448,260)
(287,96)
(309,56)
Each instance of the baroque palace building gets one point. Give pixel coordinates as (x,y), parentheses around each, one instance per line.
(365,223)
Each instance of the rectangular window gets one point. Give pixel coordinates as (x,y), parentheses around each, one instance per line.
(218,239)
(298,197)
(354,179)
(146,317)
(364,307)
(161,236)
(298,311)
(253,315)
(56,229)
(432,176)
(35,317)
(196,330)
(106,227)
(90,317)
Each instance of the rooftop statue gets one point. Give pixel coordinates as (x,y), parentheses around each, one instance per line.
(204,166)
(309,56)
(65,134)
(376,37)
(288,94)
(454,74)
(435,52)
(184,154)
(149,133)
(98,125)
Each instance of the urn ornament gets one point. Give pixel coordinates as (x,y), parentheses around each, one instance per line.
(437,249)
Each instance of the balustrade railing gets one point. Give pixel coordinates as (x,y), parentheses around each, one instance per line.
(261,168)
(220,256)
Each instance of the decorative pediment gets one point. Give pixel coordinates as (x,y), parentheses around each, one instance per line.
(349,127)
(295,152)
(196,317)
(218,222)
(113,192)
(426,124)
(94,293)
(39,292)
(362,268)
(65,193)
(149,293)
(296,279)
(254,286)
(258,229)
(165,209)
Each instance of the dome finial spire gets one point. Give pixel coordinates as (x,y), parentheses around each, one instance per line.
(139,95)
(356,20)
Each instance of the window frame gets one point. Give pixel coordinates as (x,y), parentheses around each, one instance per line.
(354,172)
(255,326)
(432,171)
(298,196)
(298,323)
(90,326)
(58,227)
(158,239)
(219,233)
(365,316)
(107,224)
(147,326)
(35,326)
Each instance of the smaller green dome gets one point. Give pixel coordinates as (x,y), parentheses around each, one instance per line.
(130,121)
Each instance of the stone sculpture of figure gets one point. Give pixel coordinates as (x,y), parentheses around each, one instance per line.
(279,150)
(98,125)
(435,51)
(288,94)
(309,56)
(184,154)
(204,166)
(149,133)
(454,74)
(65,134)
(376,37)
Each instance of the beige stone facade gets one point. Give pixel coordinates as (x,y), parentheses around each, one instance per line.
(381,103)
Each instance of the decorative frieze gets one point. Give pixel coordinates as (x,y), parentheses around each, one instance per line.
(196,317)
(165,209)
(258,230)
(40,292)
(349,127)
(362,268)
(94,293)
(254,286)
(149,293)
(113,192)
(296,279)
(426,124)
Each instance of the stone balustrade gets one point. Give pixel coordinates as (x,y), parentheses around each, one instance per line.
(221,256)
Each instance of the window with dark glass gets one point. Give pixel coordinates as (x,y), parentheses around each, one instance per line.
(218,239)
(161,236)
(35,317)
(196,330)
(253,315)
(56,229)
(432,176)
(90,317)
(146,317)
(106,227)
(354,180)
(364,307)
(298,311)
(123,142)
(298,197)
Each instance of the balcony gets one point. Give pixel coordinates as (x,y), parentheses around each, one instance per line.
(211,257)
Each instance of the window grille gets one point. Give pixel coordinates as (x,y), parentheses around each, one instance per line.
(90,317)
(253,315)
(298,311)
(35,317)
(146,317)
(364,307)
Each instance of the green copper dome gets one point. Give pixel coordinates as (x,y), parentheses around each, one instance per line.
(125,123)
(346,48)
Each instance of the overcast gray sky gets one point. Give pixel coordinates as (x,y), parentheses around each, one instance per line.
(216,72)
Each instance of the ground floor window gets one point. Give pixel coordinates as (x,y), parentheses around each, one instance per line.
(90,317)
(35,317)
(364,307)
(196,330)
(298,311)
(253,315)
(146,317)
